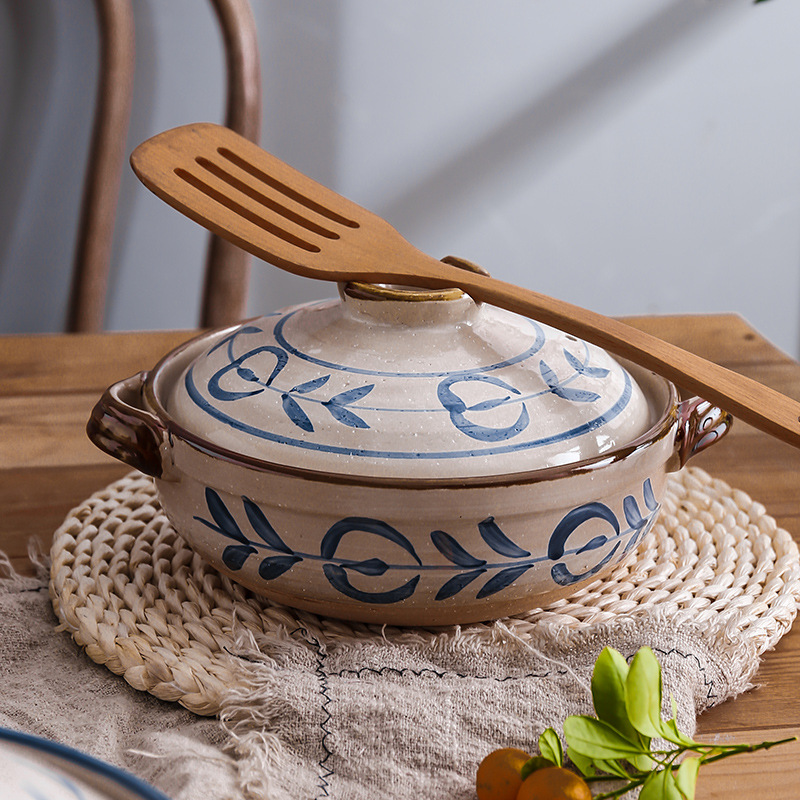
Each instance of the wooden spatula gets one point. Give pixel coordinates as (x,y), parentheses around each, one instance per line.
(242,193)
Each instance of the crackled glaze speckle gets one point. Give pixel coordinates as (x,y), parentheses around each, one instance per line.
(436,388)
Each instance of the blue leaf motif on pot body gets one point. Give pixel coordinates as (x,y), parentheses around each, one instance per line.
(502,580)
(336,573)
(234,555)
(453,551)
(334,568)
(640,524)
(594,519)
(600,513)
(493,536)
(262,526)
(274,566)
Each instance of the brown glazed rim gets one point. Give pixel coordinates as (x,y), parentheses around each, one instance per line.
(659,430)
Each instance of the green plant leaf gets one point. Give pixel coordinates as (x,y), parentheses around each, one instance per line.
(686,776)
(643,762)
(597,739)
(534,763)
(670,732)
(613,767)
(550,747)
(649,790)
(606,749)
(608,691)
(584,764)
(660,786)
(643,693)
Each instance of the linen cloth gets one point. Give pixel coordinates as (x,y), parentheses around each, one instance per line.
(404,715)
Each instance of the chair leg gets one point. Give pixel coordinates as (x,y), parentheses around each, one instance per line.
(227,266)
(106,158)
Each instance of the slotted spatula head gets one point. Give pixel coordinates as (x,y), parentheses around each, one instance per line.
(242,193)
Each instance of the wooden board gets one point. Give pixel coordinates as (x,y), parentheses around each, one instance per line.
(48,385)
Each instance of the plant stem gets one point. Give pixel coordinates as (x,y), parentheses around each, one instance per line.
(668,762)
(733,749)
(619,792)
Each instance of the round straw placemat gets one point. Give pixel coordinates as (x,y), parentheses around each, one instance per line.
(134,595)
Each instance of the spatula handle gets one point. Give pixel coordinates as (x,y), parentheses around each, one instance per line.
(762,407)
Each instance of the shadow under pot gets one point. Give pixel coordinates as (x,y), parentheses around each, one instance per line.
(405,457)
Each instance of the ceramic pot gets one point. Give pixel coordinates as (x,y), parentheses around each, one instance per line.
(404,457)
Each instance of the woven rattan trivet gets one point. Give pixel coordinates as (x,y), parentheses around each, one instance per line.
(130,591)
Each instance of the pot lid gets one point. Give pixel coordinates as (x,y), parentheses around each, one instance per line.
(399,382)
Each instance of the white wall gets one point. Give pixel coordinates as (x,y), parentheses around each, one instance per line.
(633,156)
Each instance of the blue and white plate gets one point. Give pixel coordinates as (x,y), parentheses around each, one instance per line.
(32,768)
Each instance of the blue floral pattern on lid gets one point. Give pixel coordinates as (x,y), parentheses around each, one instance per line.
(494,391)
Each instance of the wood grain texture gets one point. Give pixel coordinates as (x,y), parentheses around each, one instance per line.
(35,501)
(48,384)
(240,192)
(227,267)
(78,362)
(773,774)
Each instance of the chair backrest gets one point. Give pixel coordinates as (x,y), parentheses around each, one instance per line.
(227,267)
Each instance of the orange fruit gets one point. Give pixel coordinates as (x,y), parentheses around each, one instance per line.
(554,783)
(499,774)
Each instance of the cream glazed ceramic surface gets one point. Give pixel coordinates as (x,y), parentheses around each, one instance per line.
(408,384)
(415,554)
(541,467)
(32,768)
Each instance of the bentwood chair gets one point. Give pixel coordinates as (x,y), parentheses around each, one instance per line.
(227,267)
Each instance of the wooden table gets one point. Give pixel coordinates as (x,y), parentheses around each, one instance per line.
(48,385)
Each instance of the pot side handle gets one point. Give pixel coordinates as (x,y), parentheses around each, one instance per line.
(700,424)
(122,427)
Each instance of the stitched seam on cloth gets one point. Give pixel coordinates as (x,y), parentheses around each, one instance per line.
(707,682)
(325,771)
(435,673)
